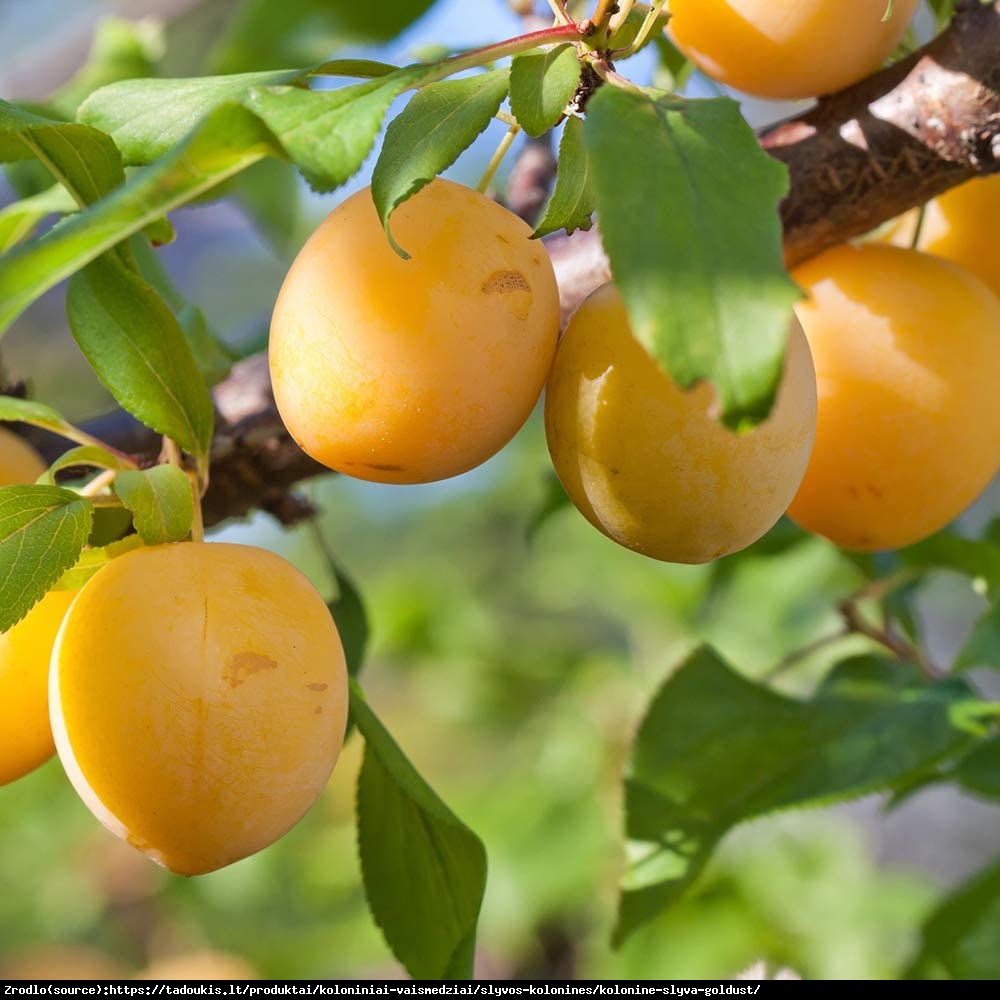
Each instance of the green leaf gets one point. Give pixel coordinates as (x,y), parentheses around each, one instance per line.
(979,771)
(715,750)
(328,134)
(541,85)
(19,219)
(89,455)
(441,121)
(349,613)
(161,502)
(94,559)
(978,560)
(960,937)
(42,531)
(146,118)
(263,33)
(135,345)
(687,203)
(424,870)
(83,159)
(229,141)
(27,411)
(111,524)
(572,204)
(982,649)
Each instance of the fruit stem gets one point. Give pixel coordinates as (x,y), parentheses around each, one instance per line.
(98,483)
(559,11)
(603,10)
(918,228)
(170,452)
(620,16)
(887,636)
(603,69)
(496,159)
(651,20)
(197,520)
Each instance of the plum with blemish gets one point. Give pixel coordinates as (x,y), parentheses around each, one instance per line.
(198,698)
(413,370)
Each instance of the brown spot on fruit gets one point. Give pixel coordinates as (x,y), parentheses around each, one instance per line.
(242,665)
(502,282)
(515,290)
(316,687)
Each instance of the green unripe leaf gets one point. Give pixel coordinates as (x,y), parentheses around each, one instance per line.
(161,502)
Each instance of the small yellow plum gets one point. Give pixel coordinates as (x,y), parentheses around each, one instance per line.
(19,462)
(408,371)
(907,355)
(647,463)
(25,651)
(788,48)
(961,225)
(198,700)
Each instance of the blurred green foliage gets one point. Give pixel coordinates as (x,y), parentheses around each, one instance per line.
(513,674)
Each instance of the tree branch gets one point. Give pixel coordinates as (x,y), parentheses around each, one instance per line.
(857,159)
(895,140)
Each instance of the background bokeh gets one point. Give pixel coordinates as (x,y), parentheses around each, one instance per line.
(511,656)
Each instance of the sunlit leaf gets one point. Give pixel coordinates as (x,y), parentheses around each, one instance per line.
(440,121)
(694,240)
(42,531)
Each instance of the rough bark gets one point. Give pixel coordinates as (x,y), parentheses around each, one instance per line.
(856,159)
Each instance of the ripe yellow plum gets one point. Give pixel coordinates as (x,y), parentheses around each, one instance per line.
(199,700)
(408,371)
(19,462)
(788,48)
(25,651)
(647,463)
(961,225)
(907,355)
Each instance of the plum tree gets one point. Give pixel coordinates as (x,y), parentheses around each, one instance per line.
(648,464)
(19,462)
(788,50)
(198,722)
(960,225)
(25,651)
(407,371)
(907,357)
(197,691)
